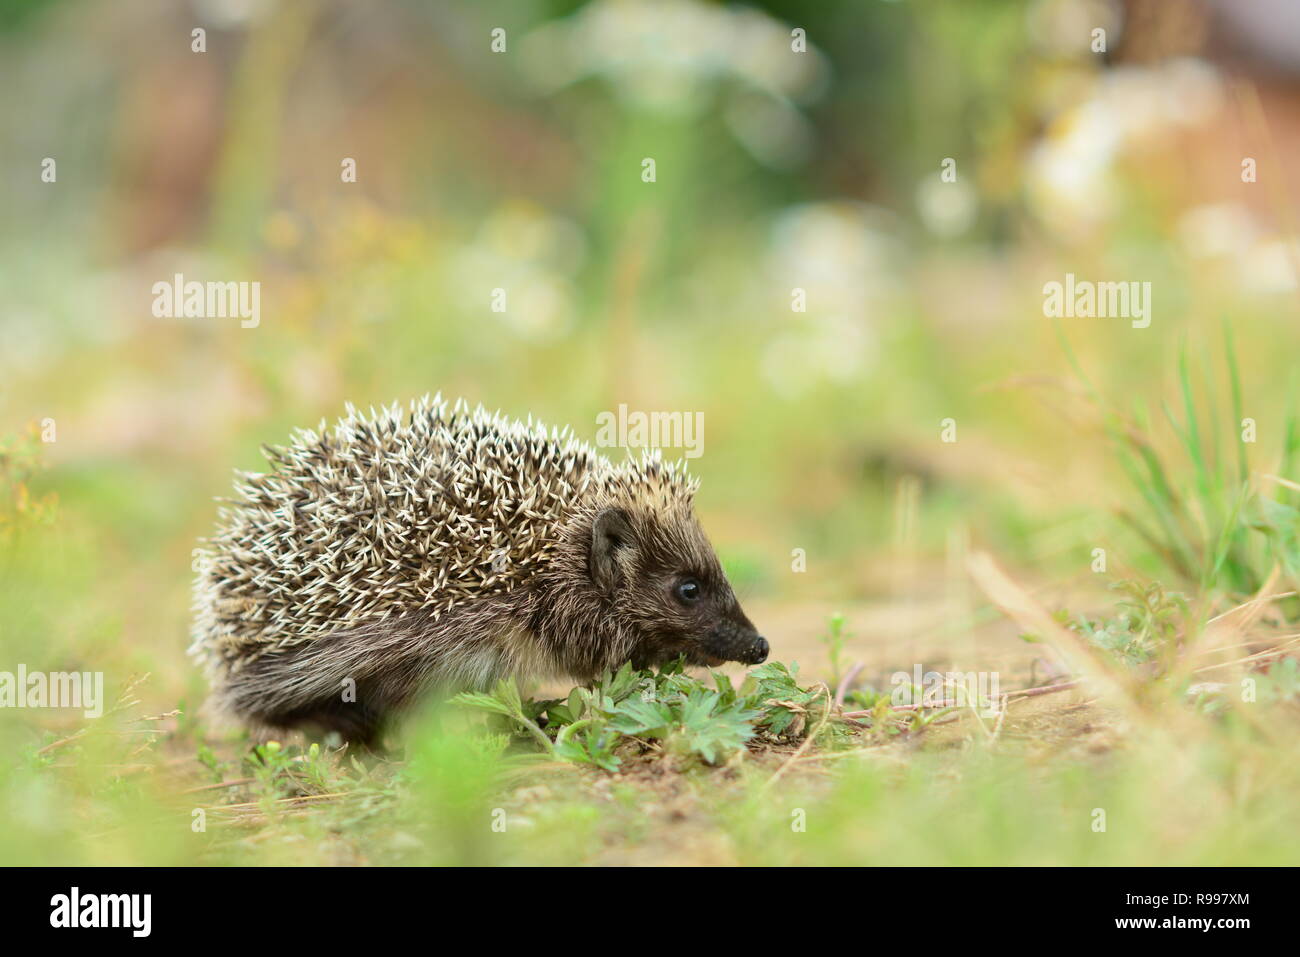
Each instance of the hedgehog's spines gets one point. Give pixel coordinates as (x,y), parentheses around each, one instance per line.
(386,514)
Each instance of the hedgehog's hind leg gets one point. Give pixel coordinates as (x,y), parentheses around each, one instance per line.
(356,723)
(292,690)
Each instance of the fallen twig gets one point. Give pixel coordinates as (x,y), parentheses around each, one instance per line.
(846,683)
(1021,693)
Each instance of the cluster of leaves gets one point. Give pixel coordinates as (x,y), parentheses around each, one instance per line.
(629,712)
(1145,629)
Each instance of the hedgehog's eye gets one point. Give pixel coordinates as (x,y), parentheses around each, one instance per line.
(688,590)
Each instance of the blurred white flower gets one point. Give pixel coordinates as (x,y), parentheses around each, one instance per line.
(657,53)
(669,56)
(1229,237)
(1269,268)
(1068,176)
(846,249)
(947,209)
(1070,179)
(846,260)
(1221,229)
(833,348)
(529,254)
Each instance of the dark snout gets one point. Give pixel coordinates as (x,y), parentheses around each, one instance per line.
(732,642)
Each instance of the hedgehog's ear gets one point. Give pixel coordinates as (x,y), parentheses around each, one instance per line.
(610,532)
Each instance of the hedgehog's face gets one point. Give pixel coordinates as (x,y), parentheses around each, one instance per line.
(667,587)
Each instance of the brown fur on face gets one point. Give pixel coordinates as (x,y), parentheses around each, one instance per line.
(388,558)
(619,577)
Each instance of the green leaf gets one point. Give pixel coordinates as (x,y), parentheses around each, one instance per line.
(642,718)
(484,702)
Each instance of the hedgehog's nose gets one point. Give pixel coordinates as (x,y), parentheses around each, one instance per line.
(761,649)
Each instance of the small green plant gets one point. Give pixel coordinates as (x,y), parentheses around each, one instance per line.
(632,712)
(834,640)
(208,758)
(694,722)
(279,771)
(1145,629)
(784,707)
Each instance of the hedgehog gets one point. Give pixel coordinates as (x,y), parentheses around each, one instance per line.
(393,556)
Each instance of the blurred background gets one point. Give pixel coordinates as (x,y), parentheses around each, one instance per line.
(783,161)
